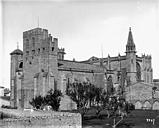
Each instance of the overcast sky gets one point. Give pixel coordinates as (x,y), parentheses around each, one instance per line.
(83,27)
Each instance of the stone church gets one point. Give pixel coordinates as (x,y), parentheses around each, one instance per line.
(41,66)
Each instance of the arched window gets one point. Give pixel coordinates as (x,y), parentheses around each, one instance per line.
(110,88)
(21,65)
(38,50)
(138,72)
(33,41)
(27,43)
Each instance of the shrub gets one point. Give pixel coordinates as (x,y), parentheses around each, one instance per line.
(52,99)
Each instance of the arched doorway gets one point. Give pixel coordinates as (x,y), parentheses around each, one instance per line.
(147,105)
(155,105)
(138,105)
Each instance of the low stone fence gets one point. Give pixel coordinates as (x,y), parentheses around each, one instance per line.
(47,119)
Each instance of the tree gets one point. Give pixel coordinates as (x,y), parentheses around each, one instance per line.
(100,99)
(52,99)
(91,94)
(119,107)
(37,102)
(81,94)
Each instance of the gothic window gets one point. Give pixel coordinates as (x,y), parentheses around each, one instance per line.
(33,52)
(52,48)
(38,50)
(27,43)
(118,75)
(128,80)
(110,88)
(33,41)
(43,49)
(27,52)
(138,71)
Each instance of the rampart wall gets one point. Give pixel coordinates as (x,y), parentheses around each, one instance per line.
(43,120)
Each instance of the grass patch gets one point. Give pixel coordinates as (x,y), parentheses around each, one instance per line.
(135,119)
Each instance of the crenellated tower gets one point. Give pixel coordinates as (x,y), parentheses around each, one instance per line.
(40,64)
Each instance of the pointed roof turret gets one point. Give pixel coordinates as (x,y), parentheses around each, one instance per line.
(17,51)
(130,46)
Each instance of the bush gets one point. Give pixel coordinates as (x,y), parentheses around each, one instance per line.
(52,99)
(131,106)
(37,102)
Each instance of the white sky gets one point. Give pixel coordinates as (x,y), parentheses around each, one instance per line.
(82,27)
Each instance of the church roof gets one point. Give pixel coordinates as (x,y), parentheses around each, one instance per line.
(78,66)
(17,51)
(96,60)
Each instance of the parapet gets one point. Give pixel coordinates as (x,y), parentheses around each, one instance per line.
(35,31)
(61,50)
(146,56)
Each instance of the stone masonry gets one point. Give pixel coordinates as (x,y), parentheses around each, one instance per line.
(42,66)
(37,119)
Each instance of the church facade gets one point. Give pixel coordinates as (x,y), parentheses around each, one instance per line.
(41,66)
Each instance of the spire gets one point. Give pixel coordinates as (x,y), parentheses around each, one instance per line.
(130,37)
(130,46)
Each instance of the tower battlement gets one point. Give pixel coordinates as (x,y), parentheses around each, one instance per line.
(35,31)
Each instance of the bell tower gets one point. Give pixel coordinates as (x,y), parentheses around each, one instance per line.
(15,76)
(130,46)
(131,58)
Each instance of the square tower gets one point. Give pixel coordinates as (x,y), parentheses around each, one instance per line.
(40,64)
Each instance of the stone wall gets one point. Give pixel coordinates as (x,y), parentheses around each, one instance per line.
(44,120)
(139,92)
